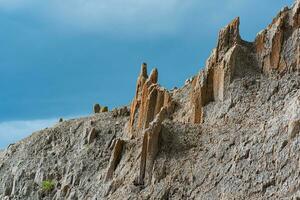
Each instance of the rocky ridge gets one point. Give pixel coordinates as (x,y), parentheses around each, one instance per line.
(232,132)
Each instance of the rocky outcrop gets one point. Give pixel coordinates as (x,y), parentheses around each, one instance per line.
(276,49)
(232,58)
(138,95)
(97,108)
(121,112)
(151,105)
(150,144)
(149,99)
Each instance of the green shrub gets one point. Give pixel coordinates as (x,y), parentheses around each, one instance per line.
(104,109)
(48,185)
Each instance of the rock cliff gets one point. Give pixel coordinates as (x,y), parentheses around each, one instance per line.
(231,132)
(275,50)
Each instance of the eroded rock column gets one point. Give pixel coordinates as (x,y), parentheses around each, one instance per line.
(148,102)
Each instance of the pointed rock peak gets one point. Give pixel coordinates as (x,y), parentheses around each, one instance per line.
(154,76)
(228,37)
(235,23)
(144,70)
(232,29)
(296,14)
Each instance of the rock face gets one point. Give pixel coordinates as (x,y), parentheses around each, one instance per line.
(231,132)
(232,58)
(151,105)
(149,99)
(276,49)
(150,146)
(121,112)
(138,96)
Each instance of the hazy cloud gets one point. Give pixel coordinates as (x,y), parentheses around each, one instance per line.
(128,17)
(13,131)
(114,16)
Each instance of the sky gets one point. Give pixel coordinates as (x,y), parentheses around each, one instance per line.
(58,58)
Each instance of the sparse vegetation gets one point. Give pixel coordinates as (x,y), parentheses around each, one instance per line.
(48,185)
(104,109)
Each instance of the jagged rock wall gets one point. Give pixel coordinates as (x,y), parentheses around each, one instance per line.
(149,99)
(278,46)
(150,146)
(151,105)
(137,98)
(232,58)
(276,49)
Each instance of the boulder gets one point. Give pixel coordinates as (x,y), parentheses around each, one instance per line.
(294,129)
(92,135)
(97,108)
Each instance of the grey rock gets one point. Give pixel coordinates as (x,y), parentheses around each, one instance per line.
(245,144)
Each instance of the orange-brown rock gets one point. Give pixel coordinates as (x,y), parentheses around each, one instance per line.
(154,99)
(232,58)
(147,103)
(149,109)
(159,101)
(296,15)
(137,98)
(196,102)
(228,37)
(153,76)
(277,46)
(151,105)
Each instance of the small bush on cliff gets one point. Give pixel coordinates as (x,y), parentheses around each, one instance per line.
(48,185)
(104,109)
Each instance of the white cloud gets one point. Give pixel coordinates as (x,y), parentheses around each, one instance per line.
(113,16)
(123,18)
(12,131)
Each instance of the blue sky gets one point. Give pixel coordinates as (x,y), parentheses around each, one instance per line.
(58,58)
